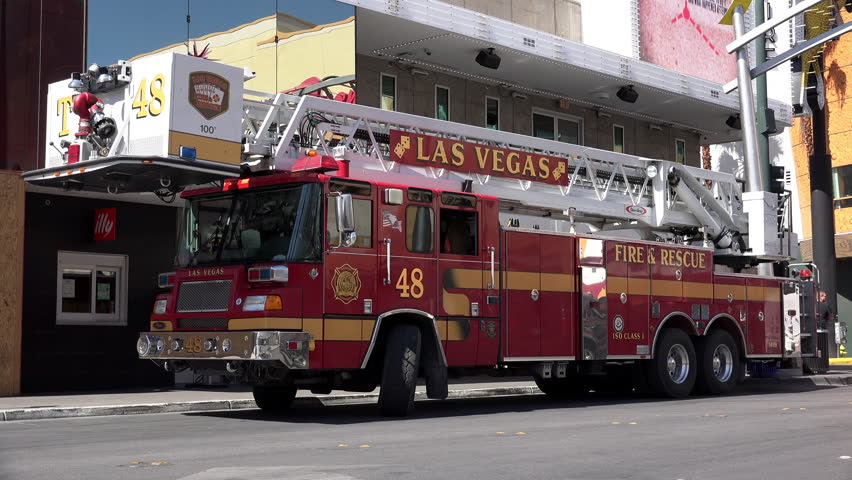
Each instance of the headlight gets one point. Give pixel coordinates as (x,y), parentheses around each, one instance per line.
(160,344)
(177,345)
(254,303)
(142,346)
(226,345)
(160,306)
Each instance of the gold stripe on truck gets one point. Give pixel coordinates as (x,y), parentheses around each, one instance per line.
(265,323)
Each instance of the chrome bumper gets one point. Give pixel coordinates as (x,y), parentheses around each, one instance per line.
(290,348)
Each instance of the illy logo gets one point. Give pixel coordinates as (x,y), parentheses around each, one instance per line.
(105,224)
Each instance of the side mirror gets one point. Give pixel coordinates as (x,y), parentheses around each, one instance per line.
(345,220)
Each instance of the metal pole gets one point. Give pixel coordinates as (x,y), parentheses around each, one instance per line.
(754,181)
(762,102)
(822,211)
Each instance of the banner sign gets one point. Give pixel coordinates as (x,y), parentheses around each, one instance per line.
(427,151)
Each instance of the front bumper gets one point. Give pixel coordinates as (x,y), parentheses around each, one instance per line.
(290,348)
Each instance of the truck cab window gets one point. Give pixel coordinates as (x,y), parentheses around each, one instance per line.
(419,229)
(458,232)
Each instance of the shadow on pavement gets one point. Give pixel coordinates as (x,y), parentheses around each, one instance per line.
(317,412)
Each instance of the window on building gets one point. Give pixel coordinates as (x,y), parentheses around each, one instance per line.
(680,151)
(91,289)
(363,210)
(618,138)
(419,229)
(442,103)
(841,179)
(388,100)
(492,113)
(558,127)
(458,232)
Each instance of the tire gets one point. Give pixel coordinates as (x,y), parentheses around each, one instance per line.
(274,398)
(672,373)
(399,374)
(719,365)
(571,387)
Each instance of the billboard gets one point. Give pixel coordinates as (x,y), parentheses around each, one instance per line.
(685,36)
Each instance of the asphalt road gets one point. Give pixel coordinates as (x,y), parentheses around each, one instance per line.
(755,435)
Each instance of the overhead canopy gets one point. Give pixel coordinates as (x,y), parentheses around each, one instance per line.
(131,174)
(436,36)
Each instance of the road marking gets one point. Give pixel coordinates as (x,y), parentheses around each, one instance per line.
(499,433)
(520,433)
(364,446)
(616,423)
(785,409)
(633,423)
(343,445)
(844,457)
(803,409)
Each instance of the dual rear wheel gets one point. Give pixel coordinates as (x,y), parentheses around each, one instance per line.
(711,365)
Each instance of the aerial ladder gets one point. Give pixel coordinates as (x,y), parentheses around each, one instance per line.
(603,191)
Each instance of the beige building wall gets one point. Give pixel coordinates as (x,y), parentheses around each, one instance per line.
(558,17)
(303,50)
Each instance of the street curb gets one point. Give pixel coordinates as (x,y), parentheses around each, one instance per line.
(346,399)
(246,404)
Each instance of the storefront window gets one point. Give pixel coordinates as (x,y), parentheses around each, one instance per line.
(91,289)
(618,139)
(492,113)
(442,103)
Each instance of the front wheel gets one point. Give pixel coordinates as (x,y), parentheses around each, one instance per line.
(274,398)
(719,363)
(671,373)
(399,374)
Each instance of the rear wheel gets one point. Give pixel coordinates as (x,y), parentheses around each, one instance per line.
(399,375)
(719,363)
(671,373)
(273,398)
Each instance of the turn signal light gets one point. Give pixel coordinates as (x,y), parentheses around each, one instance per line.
(273,302)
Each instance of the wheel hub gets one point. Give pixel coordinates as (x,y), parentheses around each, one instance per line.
(723,364)
(677,363)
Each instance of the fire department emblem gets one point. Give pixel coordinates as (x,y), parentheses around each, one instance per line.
(618,323)
(346,283)
(491,328)
(208,94)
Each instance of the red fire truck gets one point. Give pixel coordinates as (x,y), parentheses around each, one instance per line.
(357,248)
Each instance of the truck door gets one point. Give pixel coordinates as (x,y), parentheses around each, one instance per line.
(764,317)
(521,294)
(350,277)
(628,289)
(407,271)
(461,255)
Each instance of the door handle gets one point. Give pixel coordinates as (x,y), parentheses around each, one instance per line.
(491,251)
(387,243)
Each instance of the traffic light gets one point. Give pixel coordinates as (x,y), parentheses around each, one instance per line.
(777,182)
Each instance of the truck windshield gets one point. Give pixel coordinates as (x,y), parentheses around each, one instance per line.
(281,224)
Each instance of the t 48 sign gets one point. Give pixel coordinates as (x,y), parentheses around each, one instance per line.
(104,224)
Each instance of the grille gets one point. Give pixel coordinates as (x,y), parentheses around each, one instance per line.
(202,323)
(208,296)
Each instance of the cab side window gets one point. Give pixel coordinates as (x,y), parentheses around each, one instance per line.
(458,232)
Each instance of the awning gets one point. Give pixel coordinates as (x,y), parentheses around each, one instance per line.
(131,174)
(436,36)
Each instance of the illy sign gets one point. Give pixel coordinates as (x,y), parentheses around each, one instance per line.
(104,224)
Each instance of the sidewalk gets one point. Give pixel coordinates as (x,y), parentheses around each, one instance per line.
(198,399)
